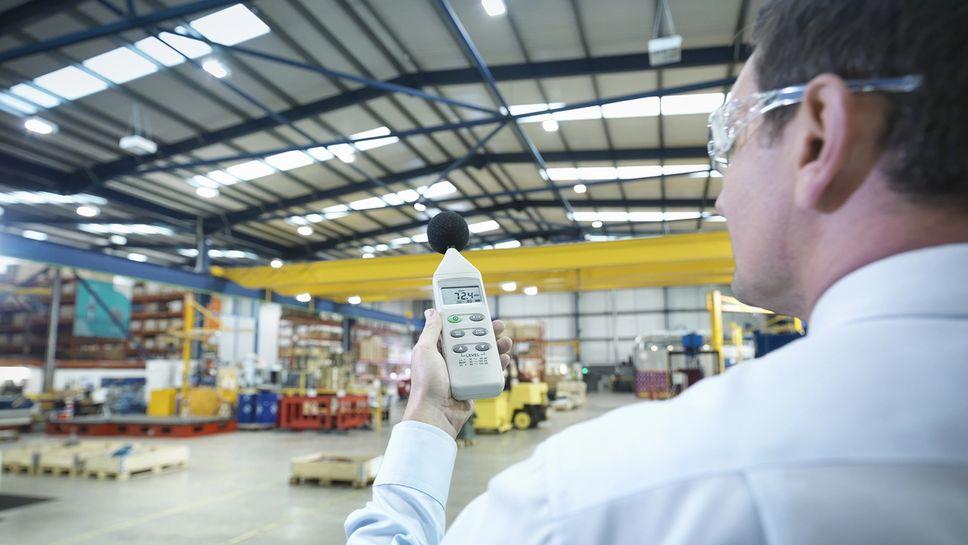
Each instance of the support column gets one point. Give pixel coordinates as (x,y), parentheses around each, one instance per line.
(201,245)
(50,358)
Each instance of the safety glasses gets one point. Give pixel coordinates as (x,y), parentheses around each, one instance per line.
(728,121)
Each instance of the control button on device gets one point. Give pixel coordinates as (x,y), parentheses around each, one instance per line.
(457,333)
(460,348)
(455,319)
(482,347)
(477,317)
(480,332)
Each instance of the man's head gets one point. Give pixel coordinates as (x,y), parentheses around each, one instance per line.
(817,189)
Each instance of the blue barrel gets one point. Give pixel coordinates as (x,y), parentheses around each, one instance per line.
(266,407)
(247,408)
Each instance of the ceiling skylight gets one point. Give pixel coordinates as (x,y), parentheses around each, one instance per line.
(124,229)
(43,197)
(289,160)
(70,82)
(222,177)
(336,211)
(17,106)
(419,238)
(379,142)
(160,51)
(345,152)
(640,107)
(121,65)
(565,174)
(230,26)
(439,189)
(190,47)
(250,170)
(701,103)
(320,153)
(635,216)
(34,95)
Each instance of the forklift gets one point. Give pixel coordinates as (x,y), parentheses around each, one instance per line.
(521,405)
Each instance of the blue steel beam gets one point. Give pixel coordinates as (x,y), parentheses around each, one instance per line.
(511,72)
(65,256)
(116,27)
(464,40)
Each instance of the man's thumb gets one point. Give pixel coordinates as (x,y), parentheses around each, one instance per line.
(431,330)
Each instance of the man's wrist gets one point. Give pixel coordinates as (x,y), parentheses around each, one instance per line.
(429,414)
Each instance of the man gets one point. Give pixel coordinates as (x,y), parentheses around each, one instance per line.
(846,196)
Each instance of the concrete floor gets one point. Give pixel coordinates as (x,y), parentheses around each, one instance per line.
(236,490)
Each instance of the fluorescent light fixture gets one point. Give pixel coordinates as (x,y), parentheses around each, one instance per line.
(190,47)
(297,220)
(237,254)
(494,7)
(276,263)
(368,255)
(344,152)
(549,125)
(304,298)
(392,199)
(250,170)
(699,103)
(202,181)
(580,114)
(320,153)
(125,229)
(120,65)
(409,195)
(34,235)
(71,83)
(580,188)
(16,106)
(289,160)
(188,252)
(531,290)
(419,207)
(118,240)
(376,143)
(507,245)
(34,95)
(639,107)
(439,189)
(483,226)
(368,204)
(215,68)
(87,211)
(314,218)
(354,299)
(206,192)
(402,241)
(40,126)
(597,224)
(305,230)
(509,286)
(368,249)
(222,177)
(216,254)
(140,258)
(44,197)
(635,216)
(523,109)
(419,238)
(137,145)
(381,247)
(232,25)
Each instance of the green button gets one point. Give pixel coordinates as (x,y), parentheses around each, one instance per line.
(454,319)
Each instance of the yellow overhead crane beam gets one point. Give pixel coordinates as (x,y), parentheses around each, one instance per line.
(675,260)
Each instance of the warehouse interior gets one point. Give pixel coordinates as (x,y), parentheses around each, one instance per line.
(214,261)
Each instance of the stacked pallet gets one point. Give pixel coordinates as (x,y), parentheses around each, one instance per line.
(328,469)
(70,460)
(139,460)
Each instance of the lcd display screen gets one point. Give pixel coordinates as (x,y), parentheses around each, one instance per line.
(460,295)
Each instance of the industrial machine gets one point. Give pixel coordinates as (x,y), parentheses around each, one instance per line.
(468,341)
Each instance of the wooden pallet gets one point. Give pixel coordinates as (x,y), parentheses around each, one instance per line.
(70,460)
(142,460)
(328,469)
(17,468)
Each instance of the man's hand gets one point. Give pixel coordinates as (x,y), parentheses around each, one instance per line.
(430,400)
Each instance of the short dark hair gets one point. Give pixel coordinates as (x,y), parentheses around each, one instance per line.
(926,130)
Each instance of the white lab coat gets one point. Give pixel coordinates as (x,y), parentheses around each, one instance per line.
(857,433)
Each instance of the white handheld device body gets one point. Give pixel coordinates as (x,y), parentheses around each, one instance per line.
(467,338)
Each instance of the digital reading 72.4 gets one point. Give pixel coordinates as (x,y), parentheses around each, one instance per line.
(461,294)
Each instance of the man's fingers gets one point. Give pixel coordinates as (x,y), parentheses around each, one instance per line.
(505,361)
(498,327)
(431,330)
(504,345)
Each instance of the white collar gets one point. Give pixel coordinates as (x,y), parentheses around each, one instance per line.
(930,281)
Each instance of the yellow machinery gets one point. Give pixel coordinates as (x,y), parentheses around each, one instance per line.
(717,304)
(523,406)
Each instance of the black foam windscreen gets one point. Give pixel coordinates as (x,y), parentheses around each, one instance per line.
(447,230)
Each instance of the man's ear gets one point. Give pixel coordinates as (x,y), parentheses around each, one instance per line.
(824,140)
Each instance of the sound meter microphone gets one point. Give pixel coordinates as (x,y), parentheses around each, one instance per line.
(467,337)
